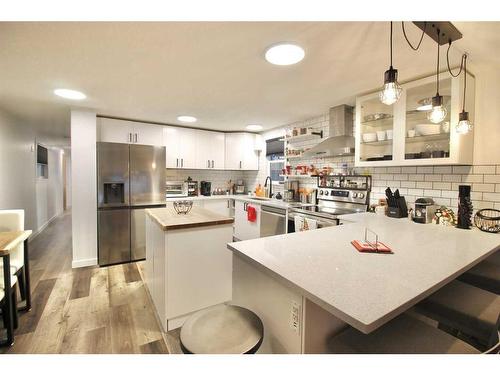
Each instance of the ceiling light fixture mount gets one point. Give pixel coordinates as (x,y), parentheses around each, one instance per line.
(185,118)
(70,94)
(254,127)
(391,92)
(284,53)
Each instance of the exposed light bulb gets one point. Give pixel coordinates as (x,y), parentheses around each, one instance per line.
(438,112)
(464,125)
(391,91)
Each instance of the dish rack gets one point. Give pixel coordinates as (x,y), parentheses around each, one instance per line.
(488,220)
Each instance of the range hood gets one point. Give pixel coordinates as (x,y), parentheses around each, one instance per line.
(340,141)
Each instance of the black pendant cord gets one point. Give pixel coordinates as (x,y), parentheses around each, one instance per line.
(465,79)
(408,41)
(391,44)
(463,67)
(437,70)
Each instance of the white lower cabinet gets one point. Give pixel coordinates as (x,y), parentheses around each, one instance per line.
(221,206)
(187,270)
(244,229)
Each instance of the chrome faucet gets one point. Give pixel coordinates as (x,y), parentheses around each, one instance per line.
(270,191)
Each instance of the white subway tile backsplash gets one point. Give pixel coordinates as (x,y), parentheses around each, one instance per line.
(483,187)
(432,193)
(442,170)
(462,169)
(492,178)
(442,201)
(494,197)
(416,177)
(410,184)
(418,192)
(393,169)
(424,185)
(452,178)
(408,169)
(497,188)
(433,177)
(441,185)
(425,169)
(400,177)
(472,178)
(484,169)
(449,193)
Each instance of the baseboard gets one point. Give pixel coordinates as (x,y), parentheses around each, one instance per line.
(45,225)
(84,263)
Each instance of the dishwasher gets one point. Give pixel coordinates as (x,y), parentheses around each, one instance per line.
(272,221)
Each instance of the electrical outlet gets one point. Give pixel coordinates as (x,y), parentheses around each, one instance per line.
(295,316)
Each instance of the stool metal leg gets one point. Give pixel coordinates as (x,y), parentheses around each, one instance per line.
(27,284)
(8,301)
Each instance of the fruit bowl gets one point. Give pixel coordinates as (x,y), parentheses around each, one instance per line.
(183,207)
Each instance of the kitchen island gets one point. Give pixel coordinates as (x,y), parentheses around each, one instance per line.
(188,266)
(308,286)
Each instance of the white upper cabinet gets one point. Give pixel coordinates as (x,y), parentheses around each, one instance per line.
(402,134)
(210,149)
(122,131)
(180,146)
(241,152)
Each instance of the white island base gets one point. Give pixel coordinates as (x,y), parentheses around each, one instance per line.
(188,266)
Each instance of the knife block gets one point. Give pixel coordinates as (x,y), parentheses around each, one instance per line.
(398,211)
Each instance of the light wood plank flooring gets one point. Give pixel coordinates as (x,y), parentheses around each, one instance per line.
(85,310)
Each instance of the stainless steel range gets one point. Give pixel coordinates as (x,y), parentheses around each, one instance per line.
(331,202)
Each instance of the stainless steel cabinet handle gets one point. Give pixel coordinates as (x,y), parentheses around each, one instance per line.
(177,164)
(212,164)
(182,163)
(135,137)
(240,164)
(208,163)
(130,137)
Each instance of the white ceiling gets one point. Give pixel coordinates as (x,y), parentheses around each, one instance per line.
(212,70)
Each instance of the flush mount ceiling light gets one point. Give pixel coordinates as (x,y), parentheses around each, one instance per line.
(284,54)
(391,91)
(70,94)
(185,118)
(254,127)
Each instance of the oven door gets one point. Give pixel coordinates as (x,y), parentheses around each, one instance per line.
(320,221)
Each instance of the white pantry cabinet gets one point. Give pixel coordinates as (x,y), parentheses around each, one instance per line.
(401,134)
(210,149)
(180,146)
(241,152)
(123,131)
(244,229)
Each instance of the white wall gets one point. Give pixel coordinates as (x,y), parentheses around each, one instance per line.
(17,168)
(49,192)
(68,178)
(84,188)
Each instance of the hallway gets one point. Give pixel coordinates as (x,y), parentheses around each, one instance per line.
(84,310)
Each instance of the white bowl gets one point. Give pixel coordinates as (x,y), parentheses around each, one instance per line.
(427,129)
(381,135)
(369,137)
(389,133)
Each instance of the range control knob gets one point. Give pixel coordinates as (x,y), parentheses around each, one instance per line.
(361,195)
(354,194)
(326,192)
(321,192)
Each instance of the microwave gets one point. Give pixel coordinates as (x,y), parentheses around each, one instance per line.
(176,189)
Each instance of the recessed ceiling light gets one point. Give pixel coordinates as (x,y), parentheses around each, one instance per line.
(70,94)
(187,118)
(254,127)
(284,54)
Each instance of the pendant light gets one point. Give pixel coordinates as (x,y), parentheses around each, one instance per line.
(464,125)
(438,112)
(391,91)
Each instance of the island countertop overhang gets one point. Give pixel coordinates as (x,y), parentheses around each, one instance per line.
(167,219)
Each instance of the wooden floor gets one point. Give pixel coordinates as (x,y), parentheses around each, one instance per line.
(85,310)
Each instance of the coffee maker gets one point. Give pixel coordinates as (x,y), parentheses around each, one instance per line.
(205,188)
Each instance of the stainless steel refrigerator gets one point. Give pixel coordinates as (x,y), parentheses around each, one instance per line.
(130,179)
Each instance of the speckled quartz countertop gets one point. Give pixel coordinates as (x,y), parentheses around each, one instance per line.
(367,290)
(168,219)
(241,197)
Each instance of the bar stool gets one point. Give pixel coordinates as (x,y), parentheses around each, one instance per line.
(222,329)
(13,220)
(486,275)
(463,307)
(8,303)
(402,335)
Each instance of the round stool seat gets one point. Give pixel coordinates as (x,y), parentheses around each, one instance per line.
(222,329)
